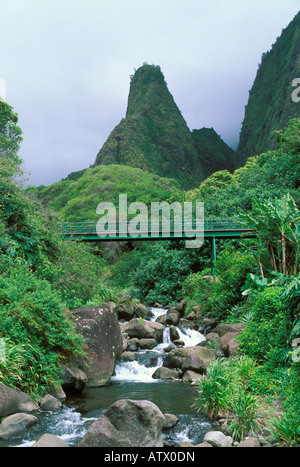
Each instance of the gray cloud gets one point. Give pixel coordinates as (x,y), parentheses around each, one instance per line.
(67,64)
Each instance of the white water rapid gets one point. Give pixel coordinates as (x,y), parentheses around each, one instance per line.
(147,361)
(131,380)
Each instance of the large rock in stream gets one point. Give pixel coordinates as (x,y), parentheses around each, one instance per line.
(143,330)
(103,343)
(190,358)
(12,401)
(127,423)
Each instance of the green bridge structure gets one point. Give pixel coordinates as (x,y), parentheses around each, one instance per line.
(166,230)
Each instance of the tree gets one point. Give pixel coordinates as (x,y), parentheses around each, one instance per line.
(277,226)
(10,140)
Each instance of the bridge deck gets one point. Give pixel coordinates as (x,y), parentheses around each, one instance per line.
(213,228)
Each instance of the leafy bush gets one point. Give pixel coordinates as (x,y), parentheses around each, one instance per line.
(215,390)
(232,269)
(77,273)
(33,315)
(161,271)
(224,389)
(287,429)
(244,406)
(265,337)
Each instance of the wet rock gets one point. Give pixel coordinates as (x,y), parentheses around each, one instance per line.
(12,402)
(249,443)
(128,356)
(203,445)
(133,344)
(125,310)
(103,343)
(226,339)
(170,421)
(189,358)
(15,424)
(165,373)
(191,377)
(213,342)
(74,379)
(141,311)
(224,328)
(148,343)
(174,334)
(194,362)
(127,423)
(147,330)
(50,403)
(218,439)
(172,318)
(49,441)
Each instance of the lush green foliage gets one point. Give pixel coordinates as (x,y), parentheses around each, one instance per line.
(161,270)
(277,226)
(42,277)
(224,389)
(77,200)
(270,104)
(218,297)
(266,335)
(32,315)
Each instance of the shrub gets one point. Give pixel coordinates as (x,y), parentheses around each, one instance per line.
(287,429)
(215,390)
(232,267)
(244,406)
(265,337)
(225,389)
(33,315)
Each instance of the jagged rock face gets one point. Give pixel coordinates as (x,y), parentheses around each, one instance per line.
(270,105)
(154,136)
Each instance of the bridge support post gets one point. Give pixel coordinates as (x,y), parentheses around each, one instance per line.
(213,256)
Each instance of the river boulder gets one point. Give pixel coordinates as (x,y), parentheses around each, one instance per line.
(127,423)
(49,441)
(103,343)
(74,379)
(15,424)
(140,329)
(12,401)
(190,358)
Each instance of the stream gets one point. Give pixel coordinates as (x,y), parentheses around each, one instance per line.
(131,380)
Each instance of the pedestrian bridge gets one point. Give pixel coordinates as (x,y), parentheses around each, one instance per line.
(164,230)
(212,229)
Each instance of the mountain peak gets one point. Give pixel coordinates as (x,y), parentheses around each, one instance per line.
(147,81)
(154,135)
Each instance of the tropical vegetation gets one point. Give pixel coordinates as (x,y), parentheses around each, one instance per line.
(44,278)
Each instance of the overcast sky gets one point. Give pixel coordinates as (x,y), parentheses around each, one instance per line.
(67,63)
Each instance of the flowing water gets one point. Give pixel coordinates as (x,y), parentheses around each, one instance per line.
(132,380)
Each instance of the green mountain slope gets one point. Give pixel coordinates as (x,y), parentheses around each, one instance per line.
(155,137)
(77,200)
(270,105)
(213,153)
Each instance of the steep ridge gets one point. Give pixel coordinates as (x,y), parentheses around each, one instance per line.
(270,105)
(213,152)
(155,137)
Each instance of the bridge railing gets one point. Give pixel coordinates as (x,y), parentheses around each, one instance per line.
(89,228)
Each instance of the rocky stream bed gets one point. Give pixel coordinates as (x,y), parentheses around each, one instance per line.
(141,363)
